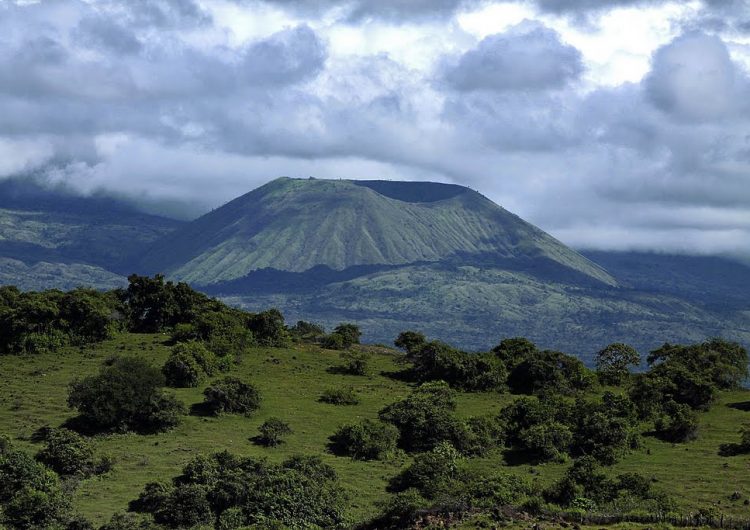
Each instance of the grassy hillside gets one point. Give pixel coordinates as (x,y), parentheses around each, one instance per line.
(294,225)
(291,380)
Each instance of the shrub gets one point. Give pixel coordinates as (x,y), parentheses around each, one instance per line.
(399,510)
(432,473)
(549,372)
(514,350)
(469,371)
(367,440)
(128,521)
(333,341)
(547,441)
(307,331)
(302,492)
(355,363)
(425,417)
(268,328)
(340,396)
(349,332)
(273,431)
(230,395)
(189,362)
(126,395)
(479,436)
(678,424)
(743,447)
(67,453)
(490,490)
(181,371)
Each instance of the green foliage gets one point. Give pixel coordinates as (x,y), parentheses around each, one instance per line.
(125,395)
(189,363)
(547,441)
(272,432)
(333,341)
(366,440)
(723,362)
(67,453)
(355,363)
(549,372)
(268,328)
(613,361)
(410,341)
(302,492)
(678,423)
(232,396)
(129,521)
(399,510)
(514,350)
(30,494)
(349,332)
(436,361)
(306,331)
(488,490)
(39,322)
(432,473)
(425,417)
(340,396)
(153,305)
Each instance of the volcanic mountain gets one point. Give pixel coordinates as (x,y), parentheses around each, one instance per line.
(295,225)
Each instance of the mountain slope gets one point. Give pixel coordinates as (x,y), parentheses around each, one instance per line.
(86,240)
(294,225)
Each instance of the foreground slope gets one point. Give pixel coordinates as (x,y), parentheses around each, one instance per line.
(294,225)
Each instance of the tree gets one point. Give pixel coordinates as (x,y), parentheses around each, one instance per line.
(549,371)
(613,361)
(678,424)
(268,328)
(431,473)
(126,395)
(514,350)
(230,395)
(272,432)
(350,333)
(189,362)
(410,341)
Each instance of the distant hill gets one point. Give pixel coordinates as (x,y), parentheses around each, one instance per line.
(82,239)
(294,225)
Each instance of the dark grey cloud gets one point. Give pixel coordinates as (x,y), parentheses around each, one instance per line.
(103,33)
(287,57)
(527,57)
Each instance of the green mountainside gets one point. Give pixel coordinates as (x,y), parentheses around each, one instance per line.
(294,225)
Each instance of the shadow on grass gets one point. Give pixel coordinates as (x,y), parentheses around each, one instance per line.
(406,375)
(340,370)
(740,405)
(83,426)
(518,457)
(202,409)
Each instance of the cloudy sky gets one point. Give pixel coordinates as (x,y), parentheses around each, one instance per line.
(618,124)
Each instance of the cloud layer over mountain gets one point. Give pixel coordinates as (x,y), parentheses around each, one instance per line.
(618,124)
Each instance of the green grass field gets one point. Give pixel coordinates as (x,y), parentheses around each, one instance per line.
(291,380)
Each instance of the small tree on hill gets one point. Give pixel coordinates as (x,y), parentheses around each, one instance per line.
(273,431)
(613,361)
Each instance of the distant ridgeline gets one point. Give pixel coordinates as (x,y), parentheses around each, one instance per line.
(552,410)
(439,258)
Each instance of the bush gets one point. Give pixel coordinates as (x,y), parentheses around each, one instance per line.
(126,395)
(355,363)
(302,492)
(268,328)
(399,510)
(334,341)
(678,424)
(367,440)
(436,361)
(340,396)
(743,447)
(230,395)
(547,441)
(67,453)
(514,351)
(273,431)
(189,362)
(128,521)
(432,473)
(350,334)
(489,490)
(479,436)
(425,417)
(549,372)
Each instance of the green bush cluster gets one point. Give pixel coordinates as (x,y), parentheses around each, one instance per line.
(69,454)
(40,322)
(426,417)
(190,362)
(301,492)
(340,396)
(231,396)
(366,440)
(272,432)
(343,336)
(125,395)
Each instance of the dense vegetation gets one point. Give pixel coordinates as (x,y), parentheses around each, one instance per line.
(434,430)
